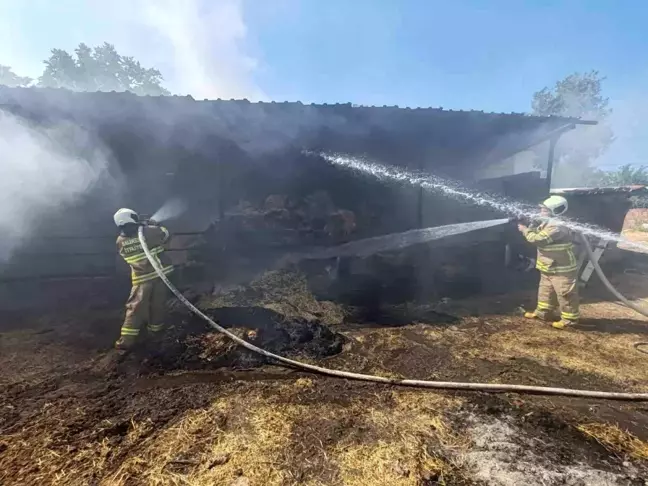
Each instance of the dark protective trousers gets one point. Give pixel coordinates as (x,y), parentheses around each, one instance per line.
(558,292)
(145,310)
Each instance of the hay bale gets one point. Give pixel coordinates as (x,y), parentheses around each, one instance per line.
(282,291)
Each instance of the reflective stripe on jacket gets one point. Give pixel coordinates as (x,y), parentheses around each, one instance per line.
(131,251)
(555,248)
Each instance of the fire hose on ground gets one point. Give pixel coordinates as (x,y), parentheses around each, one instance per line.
(610,287)
(445,385)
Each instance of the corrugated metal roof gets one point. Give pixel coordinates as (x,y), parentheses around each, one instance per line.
(449,142)
(189,99)
(590,191)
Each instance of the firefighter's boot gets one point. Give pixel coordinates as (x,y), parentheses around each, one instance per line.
(156,336)
(537,315)
(124,346)
(562,324)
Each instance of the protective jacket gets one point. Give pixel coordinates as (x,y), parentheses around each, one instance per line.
(555,248)
(131,251)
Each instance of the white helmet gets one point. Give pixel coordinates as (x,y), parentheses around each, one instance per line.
(125,216)
(556,204)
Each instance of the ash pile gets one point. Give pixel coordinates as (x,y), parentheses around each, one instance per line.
(275,312)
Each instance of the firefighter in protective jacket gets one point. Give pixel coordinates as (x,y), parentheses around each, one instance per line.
(558,266)
(145,306)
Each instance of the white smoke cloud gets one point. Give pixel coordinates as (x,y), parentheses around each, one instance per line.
(42,170)
(628,121)
(206,41)
(199,46)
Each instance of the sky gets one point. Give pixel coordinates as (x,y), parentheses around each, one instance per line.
(489,55)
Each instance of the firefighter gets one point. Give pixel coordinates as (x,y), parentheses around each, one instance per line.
(145,305)
(557,263)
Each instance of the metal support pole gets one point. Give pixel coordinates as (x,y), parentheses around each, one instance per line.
(550,162)
(419,209)
(420,201)
(221,188)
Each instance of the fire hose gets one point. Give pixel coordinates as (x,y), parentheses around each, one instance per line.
(447,385)
(597,268)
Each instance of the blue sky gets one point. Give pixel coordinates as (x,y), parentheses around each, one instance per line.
(460,54)
(480,54)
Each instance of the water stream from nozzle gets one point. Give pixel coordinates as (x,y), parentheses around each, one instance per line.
(455,191)
(396,241)
(169,210)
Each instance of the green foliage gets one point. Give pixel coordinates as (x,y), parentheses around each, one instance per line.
(100,69)
(579,95)
(11,79)
(626,175)
(639,202)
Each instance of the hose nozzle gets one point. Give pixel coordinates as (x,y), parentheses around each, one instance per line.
(520,219)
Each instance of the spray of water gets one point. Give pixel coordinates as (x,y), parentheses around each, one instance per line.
(396,241)
(169,210)
(456,191)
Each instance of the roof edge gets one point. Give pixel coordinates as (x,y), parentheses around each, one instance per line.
(189,98)
(587,191)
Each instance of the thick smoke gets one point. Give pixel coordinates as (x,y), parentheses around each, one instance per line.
(42,171)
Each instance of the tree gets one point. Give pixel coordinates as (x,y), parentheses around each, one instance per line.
(626,175)
(100,69)
(579,95)
(60,72)
(11,79)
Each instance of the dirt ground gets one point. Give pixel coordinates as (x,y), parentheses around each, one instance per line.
(194,409)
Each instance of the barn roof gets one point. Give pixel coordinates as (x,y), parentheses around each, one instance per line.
(630,190)
(413,137)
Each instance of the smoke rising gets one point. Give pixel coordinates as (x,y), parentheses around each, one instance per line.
(628,121)
(42,170)
(206,41)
